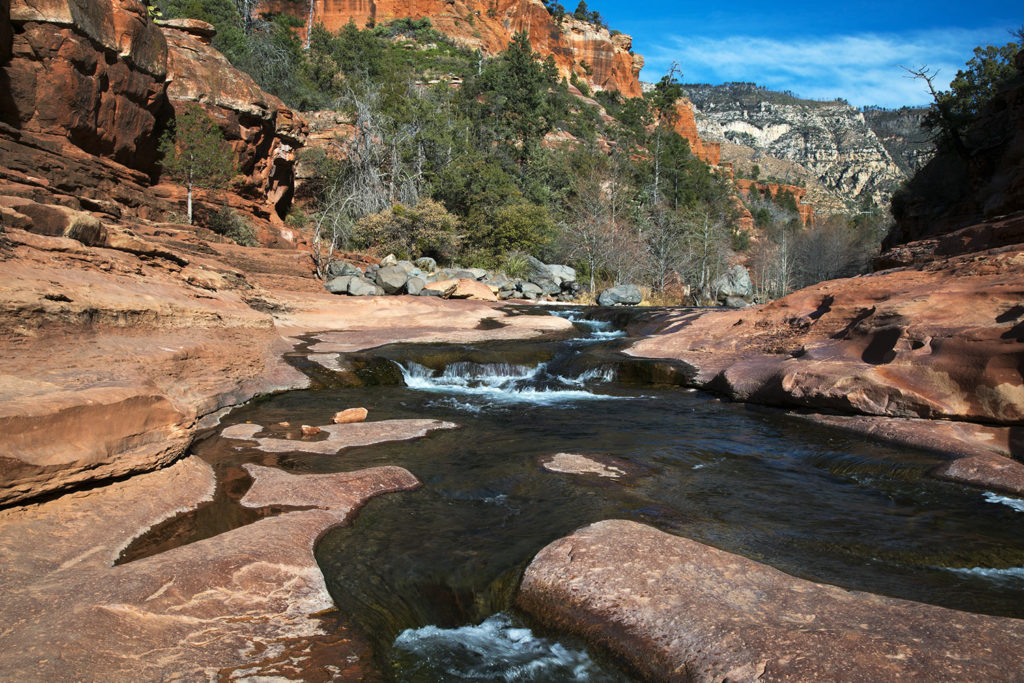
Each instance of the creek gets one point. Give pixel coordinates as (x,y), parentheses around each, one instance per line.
(429,576)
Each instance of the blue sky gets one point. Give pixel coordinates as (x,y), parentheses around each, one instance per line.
(851,49)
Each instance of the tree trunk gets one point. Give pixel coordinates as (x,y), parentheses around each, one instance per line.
(190,203)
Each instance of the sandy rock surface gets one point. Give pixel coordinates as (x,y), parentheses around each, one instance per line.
(678,610)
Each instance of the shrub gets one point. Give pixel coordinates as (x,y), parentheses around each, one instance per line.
(231,224)
(424,230)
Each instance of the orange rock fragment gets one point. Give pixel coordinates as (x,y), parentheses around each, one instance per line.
(349,416)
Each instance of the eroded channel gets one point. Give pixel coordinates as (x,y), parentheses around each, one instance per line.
(429,575)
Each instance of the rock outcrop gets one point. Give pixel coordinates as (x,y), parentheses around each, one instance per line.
(678,610)
(264,134)
(830,139)
(909,144)
(577,47)
(983,182)
(89,72)
(805,211)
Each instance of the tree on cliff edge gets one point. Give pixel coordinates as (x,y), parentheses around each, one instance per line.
(195,153)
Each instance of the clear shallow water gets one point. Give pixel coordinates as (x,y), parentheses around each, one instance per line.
(429,575)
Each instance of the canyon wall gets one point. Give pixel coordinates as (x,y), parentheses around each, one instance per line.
(831,139)
(91,90)
(900,131)
(488,25)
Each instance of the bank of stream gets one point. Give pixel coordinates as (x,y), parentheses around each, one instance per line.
(429,575)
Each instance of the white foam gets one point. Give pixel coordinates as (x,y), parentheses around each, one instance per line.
(502,383)
(1016,503)
(494,650)
(1008,575)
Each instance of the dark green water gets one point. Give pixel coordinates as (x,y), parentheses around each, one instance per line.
(812,501)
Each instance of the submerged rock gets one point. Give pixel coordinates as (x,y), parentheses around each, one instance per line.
(679,610)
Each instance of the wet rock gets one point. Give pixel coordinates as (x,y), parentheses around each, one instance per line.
(573,463)
(310,430)
(620,295)
(351,435)
(349,416)
(391,279)
(272,486)
(676,609)
(244,431)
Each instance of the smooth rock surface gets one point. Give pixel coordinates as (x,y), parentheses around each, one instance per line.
(620,295)
(678,610)
(272,486)
(342,436)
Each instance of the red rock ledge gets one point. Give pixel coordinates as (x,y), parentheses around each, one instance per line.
(678,610)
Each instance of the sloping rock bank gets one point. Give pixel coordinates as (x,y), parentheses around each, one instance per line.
(678,610)
(939,338)
(241,604)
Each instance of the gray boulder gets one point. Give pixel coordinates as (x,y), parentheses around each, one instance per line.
(426,264)
(415,285)
(620,295)
(477,273)
(391,279)
(407,266)
(338,285)
(536,270)
(735,302)
(453,274)
(562,274)
(734,282)
(389,260)
(531,291)
(362,287)
(340,268)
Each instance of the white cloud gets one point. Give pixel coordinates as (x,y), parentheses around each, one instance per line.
(864,69)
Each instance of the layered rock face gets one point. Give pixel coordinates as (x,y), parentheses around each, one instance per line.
(90,72)
(93,87)
(686,125)
(830,139)
(805,211)
(489,26)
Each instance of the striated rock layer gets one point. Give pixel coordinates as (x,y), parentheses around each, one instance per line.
(830,139)
(489,26)
(678,610)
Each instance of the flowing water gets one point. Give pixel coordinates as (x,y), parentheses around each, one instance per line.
(429,576)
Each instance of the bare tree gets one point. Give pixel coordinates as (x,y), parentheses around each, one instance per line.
(664,237)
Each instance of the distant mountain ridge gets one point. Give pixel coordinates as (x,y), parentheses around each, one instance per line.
(833,140)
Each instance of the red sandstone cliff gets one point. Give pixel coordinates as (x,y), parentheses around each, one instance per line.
(805,211)
(686,125)
(489,26)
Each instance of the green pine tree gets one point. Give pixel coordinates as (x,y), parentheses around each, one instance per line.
(195,153)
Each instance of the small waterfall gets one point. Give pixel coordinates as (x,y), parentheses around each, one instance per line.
(597,330)
(505,383)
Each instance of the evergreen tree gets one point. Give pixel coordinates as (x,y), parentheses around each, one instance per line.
(195,153)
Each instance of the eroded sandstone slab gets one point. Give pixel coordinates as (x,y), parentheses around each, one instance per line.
(678,610)
(341,490)
(340,436)
(246,601)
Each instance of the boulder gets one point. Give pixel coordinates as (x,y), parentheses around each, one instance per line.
(362,287)
(389,260)
(415,285)
(735,302)
(676,609)
(620,295)
(426,264)
(442,289)
(537,270)
(562,274)
(310,430)
(734,282)
(340,284)
(407,266)
(477,273)
(453,274)
(391,279)
(530,290)
(339,268)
